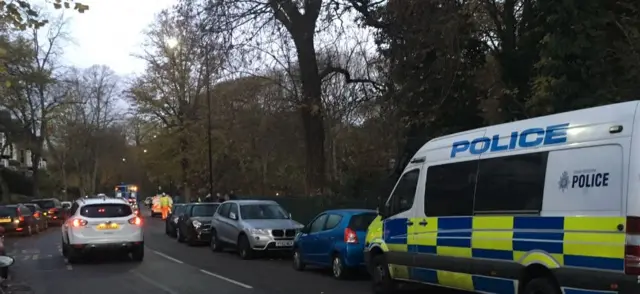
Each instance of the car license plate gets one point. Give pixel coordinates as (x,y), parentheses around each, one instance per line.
(284,243)
(5,220)
(107,226)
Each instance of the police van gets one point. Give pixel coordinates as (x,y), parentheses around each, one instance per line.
(544,205)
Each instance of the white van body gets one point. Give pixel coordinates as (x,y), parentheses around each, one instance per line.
(576,227)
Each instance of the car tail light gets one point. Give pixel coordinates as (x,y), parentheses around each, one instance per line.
(77,222)
(135,221)
(19,214)
(632,248)
(350,236)
(36,214)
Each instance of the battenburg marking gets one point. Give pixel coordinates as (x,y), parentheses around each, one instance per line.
(554,134)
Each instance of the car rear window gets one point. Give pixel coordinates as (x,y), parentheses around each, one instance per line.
(204,210)
(361,222)
(31,207)
(6,211)
(45,204)
(106,210)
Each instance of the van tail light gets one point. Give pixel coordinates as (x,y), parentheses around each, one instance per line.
(135,221)
(350,236)
(77,222)
(632,247)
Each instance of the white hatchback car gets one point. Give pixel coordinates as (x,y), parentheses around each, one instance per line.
(102,223)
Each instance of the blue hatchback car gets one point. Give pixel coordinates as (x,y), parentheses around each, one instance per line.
(334,239)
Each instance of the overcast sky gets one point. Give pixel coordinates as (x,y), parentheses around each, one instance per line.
(109,32)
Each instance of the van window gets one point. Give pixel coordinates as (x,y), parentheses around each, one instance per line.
(402,197)
(511,183)
(584,180)
(449,189)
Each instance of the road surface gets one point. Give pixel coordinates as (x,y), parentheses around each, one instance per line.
(169,267)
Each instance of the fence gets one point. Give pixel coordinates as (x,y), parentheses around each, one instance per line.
(303,209)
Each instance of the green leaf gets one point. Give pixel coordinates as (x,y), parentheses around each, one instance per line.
(7,84)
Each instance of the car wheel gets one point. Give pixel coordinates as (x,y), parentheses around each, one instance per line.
(4,273)
(65,250)
(382,283)
(73,256)
(244,248)
(541,285)
(37,228)
(137,254)
(215,244)
(298,264)
(29,231)
(179,236)
(337,268)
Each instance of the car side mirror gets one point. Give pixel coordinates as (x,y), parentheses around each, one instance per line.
(305,230)
(233,216)
(290,217)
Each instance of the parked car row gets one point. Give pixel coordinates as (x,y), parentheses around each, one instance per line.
(333,239)
(32,217)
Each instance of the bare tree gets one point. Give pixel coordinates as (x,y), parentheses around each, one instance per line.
(258,24)
(33,94)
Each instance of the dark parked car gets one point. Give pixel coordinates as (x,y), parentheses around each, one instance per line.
(172,219)
(39,214)
(17,218)
(334,239)
(53,207)
(194,223)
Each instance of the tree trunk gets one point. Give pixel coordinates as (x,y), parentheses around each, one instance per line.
(184,166)
(312,113)
(35,161)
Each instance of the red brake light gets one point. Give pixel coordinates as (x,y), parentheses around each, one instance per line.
(632,248)
(350,236)
(78,222)
(36,214)
(135,221)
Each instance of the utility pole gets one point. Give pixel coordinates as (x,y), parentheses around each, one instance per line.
(209,128)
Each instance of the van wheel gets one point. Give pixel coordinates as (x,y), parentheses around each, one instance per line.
(541,286)
(244,248)
(382,283)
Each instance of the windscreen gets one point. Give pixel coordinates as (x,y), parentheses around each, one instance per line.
(361,222)
(204,210)
(45,204)
(106,210)
(8,211)
(263,211)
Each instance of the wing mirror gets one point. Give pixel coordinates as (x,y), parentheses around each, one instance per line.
(233,216)
(6,261)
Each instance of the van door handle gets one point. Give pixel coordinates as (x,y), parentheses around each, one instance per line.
(409,223)
(423,223)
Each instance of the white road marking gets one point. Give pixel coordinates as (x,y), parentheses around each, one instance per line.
(154,282)
(35,256)
(26,257)
(167,257)
(232,281)
(69,267)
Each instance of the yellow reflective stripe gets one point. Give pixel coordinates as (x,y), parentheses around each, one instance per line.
(548,260)
(593,223)
(424,235)
(454,251)
(496,240)
(456,280)
(493,222)
(398,247)
(594,244)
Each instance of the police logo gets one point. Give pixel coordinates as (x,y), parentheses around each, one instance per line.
(563,184)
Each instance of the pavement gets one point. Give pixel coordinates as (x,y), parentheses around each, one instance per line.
(169,267)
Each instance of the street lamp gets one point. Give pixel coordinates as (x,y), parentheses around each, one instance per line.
(144,151)
(172,43)
(124,159)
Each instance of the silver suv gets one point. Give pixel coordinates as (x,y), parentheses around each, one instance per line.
(252,225)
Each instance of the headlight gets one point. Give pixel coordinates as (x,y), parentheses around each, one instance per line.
(196,224)
(259,232)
